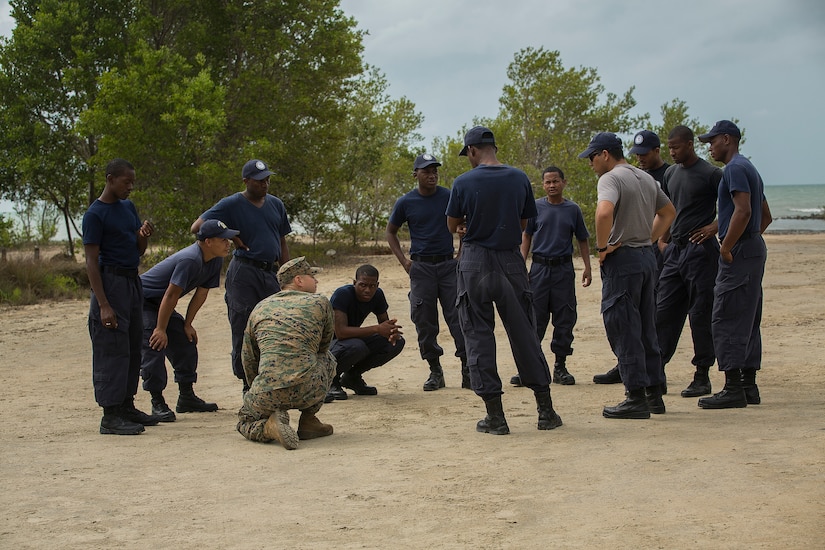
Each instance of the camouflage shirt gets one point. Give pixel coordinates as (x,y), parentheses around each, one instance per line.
(286,339)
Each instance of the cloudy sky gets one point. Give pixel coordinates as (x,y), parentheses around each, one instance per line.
(762,62)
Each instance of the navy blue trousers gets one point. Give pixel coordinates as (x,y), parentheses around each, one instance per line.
(737,306)
(246,285)
(498,278)
(429,285)
(686,291)
(363,354)
(554,298)
(182,354)
(116,352)
(629,314)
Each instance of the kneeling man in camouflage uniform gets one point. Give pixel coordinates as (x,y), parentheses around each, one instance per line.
(286,360)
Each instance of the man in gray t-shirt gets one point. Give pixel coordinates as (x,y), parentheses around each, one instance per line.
(631,213)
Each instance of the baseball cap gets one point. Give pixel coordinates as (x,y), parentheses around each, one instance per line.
(644,142)
(215,228)
(476,136)
(422,161)
(603,141)
(721,127)
(255,169)
(295,267)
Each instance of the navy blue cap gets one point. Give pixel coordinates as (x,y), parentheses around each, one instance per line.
(603,141)
(255,169)
(215,228)
(721,127)
(476,136)
(644,142)
(422,161)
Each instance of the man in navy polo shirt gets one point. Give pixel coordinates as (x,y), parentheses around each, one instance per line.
(495,201)
(114,239)
(552,277)
(744,215)
(260,248)
(166,333)
(431,266)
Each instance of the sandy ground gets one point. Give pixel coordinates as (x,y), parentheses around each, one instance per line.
(406,469)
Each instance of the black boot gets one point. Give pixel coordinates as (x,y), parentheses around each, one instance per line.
(560,374)
(732,395)
(548,418)
(465,375)
(353,379)
(516,381)
(189,402)
(335,391)
(436,379)
(635,406)
(655,403)
(750,387)
(494,423)
(129,412)
(700,385)
(160,408)
(610,377)
(114,423)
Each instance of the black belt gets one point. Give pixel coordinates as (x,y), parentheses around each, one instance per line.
(431,259)
(130,272)
(552,261)
(266,266)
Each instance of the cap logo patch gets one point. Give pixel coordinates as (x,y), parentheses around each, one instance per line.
(638,139)
(260,165)
(427,157)
(221,225)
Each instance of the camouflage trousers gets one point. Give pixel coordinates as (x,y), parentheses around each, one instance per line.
(258,406)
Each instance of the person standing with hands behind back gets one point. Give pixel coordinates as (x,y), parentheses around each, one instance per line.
(114,239)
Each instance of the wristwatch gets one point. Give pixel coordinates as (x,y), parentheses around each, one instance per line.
(600,250)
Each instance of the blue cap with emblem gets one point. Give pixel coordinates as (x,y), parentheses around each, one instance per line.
(256,170)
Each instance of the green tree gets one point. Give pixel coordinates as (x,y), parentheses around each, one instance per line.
(377,159)
(48,77)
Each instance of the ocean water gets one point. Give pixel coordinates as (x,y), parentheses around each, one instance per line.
(791,206)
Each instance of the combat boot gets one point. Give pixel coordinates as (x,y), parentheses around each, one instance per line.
(732,395)
(114,423)
(655,403)
(750,387)
(309,427)
(494,423)
(160,409)
(610,377)
(548,418)
(129,412)
(560,374)
(277,428)
(189,402)
(436,379)
(635,406)
(700,385)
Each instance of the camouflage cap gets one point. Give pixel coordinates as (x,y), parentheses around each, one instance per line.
(295,267)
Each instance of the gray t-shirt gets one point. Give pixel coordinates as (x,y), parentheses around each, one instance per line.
(636,197)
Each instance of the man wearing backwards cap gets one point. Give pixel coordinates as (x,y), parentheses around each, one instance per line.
(166,334)
(259,247)
(744,215)
(286,360)
(495,201)
(632,212)
(431,266)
